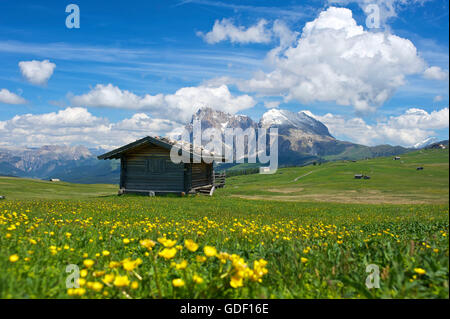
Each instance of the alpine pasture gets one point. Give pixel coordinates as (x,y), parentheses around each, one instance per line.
(304,232)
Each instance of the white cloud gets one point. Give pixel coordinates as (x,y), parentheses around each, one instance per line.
(177,107)
(387,9)
(37,72)
(284,33)
(76,125)
(337,60)
(407,129)
(271,104)
(8,97)
(261,32)
(435,73)
(225,30)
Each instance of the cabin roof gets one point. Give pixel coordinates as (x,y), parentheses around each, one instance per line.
(163,142)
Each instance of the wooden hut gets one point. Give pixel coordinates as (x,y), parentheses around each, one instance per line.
(146,168)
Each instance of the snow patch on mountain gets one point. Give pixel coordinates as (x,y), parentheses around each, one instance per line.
(300,120)
(428,141)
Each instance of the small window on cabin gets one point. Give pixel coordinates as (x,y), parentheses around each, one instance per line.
(156,166)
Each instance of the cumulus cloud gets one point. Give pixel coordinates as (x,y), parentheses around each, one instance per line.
(76,125)
(226,30)
(386,9)
(435,73)
(272,104)
(337,60)
(261,32)
(37,72)
(8,97)
(177,107)
(407,129)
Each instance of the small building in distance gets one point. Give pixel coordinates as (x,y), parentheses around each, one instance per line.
(146,168)
(362,176)
(54,180)
(396,158)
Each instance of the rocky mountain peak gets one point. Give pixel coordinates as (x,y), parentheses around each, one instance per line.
(287,119)
(211,118)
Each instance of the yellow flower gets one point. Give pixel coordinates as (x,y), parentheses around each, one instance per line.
(88,263)
(105,253)
(14,258)
(181,265)
(420,271)
(167,242)
(168,253)
(114,264)
(121,281)
(126,241)
(210,251)
(108,278)
(147,243)
(97,286)
(236,282)
(190,245)
(81,281)
(134,285)
(83,272)
(130,265)
(223,257)
(178,282)
(98,273)
(197,279)
(200,258)
(76,291)
(304,260)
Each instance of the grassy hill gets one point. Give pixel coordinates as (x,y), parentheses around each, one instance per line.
(395,182)
(391,181)
(27,188)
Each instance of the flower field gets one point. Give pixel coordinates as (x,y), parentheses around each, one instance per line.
(220,247)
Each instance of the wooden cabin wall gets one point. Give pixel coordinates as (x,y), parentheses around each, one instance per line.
(202,174)
(150,168)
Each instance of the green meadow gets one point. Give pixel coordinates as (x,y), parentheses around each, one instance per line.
(304,232)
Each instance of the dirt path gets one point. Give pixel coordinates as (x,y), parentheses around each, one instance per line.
(346,198)
(297,178)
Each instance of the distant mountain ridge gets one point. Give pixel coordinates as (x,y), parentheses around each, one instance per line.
(69,163)
(302,140)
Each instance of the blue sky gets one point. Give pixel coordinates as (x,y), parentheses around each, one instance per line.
(159,47)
